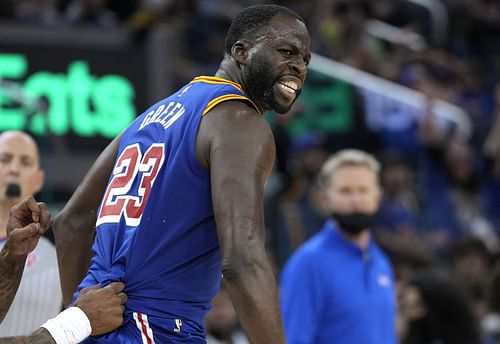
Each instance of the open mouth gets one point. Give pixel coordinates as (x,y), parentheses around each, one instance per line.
(290,87)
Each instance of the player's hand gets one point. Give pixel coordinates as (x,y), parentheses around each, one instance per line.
(103,306)
(27,221)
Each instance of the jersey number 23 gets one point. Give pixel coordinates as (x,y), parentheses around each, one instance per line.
(120,198)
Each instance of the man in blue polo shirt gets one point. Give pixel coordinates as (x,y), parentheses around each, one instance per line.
(339,287)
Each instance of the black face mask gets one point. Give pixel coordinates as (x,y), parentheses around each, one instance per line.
(13,190)
(353,223)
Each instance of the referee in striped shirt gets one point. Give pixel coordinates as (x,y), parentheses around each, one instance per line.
(96,311)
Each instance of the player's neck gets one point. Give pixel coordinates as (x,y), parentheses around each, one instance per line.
(229,70)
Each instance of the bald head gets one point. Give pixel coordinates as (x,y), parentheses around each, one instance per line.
(20,173)
(24,140)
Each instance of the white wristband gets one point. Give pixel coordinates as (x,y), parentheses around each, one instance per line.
(69,327)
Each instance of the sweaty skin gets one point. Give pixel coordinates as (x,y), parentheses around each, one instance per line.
(236,145)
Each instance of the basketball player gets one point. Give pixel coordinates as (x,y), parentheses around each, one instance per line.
(185,193)
(99,309)
(39,295)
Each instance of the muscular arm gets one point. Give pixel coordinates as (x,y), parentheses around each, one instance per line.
(10,277)
(27,221)
(102,306)
(239,150)
(74,226)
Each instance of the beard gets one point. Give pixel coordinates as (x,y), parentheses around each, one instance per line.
(259,80)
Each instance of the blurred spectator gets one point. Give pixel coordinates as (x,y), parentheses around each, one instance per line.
(37,12)
(222,9)
(341,33)
(438,74)
(475,97)
(433,309)
(491,146)
(409,257)
(399,209)
(483,27)
(90,12)
(470,263)
(306,8)
(221,323)
(296,213)
(150,13)
(490,324)
(123,9)
(407,15)
(491,151)
(452,194)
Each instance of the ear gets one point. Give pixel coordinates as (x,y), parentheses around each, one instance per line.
(325,201)
(39,180)
(380,194)
(239,51)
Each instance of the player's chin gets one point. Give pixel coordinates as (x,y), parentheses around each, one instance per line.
(282,107)
(282,102)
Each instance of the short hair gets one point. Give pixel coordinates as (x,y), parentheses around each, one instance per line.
(450,314)
(253,18)
(347,157)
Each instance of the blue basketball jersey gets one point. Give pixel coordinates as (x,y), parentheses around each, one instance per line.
(155,226)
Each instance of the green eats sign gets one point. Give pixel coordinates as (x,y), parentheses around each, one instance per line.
(77,101)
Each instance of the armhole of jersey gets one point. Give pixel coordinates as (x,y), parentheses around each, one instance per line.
(214,102)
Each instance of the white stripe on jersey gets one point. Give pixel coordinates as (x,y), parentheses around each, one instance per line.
(142,323)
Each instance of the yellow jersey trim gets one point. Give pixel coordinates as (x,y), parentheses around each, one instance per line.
(218,100)
(224,98)
(217,80)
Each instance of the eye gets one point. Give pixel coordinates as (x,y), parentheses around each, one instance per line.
(286,52)
(4,159)
(26,162)
(307,60)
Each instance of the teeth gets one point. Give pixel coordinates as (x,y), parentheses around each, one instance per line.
(293,85)
(286,89)
(289,86)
